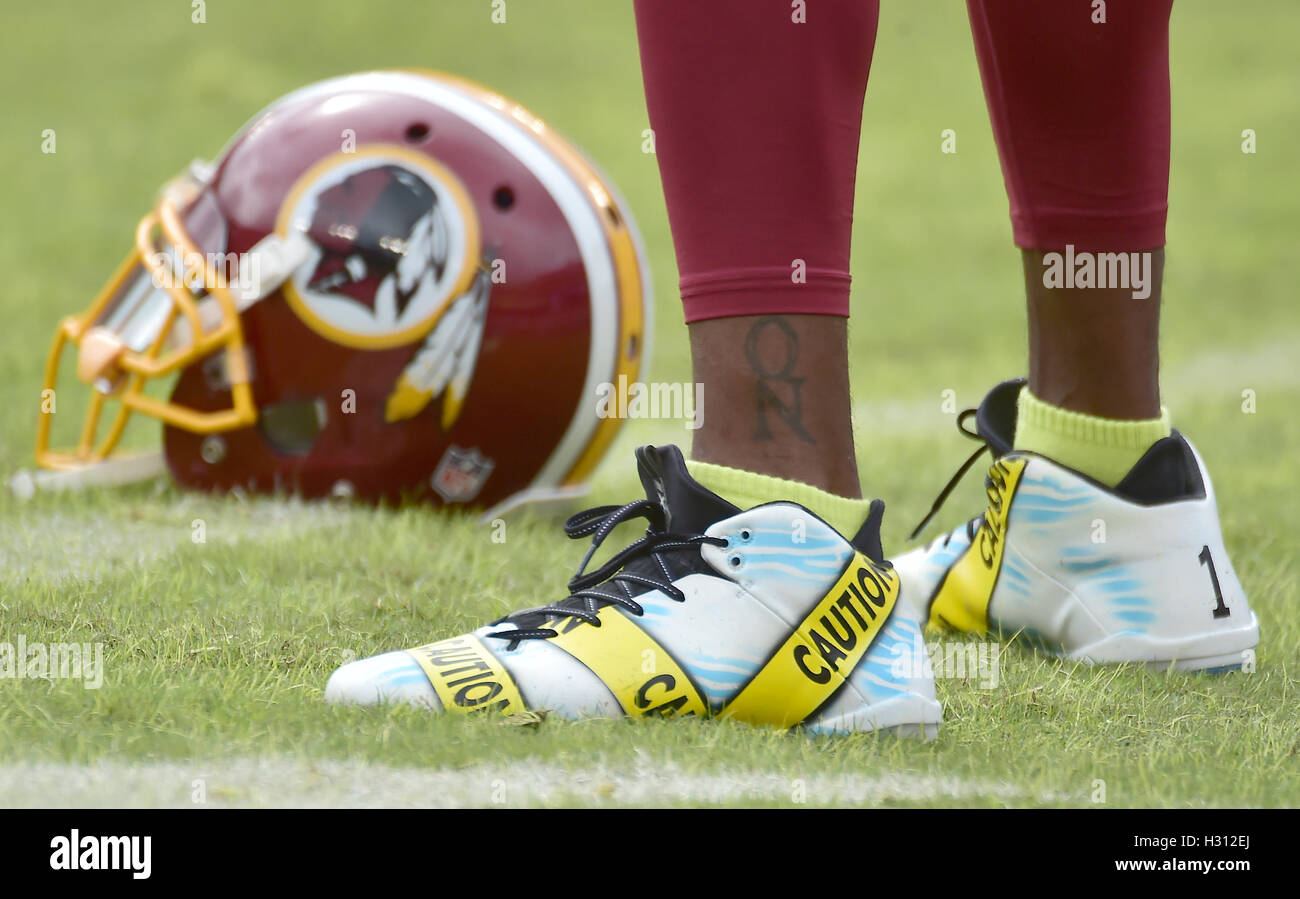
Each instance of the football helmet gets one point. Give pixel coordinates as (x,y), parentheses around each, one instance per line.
(393,283)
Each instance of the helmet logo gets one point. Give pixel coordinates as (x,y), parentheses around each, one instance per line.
(395,238)
(461,473)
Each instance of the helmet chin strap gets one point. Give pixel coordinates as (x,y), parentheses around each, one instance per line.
(111,472)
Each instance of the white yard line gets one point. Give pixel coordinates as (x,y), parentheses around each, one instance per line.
(288,783)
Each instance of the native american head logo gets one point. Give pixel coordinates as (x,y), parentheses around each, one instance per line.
(395,241)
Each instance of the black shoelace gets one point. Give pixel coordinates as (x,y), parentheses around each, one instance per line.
(608,584)
(973,525)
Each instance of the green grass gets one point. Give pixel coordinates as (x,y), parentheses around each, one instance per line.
(218,652)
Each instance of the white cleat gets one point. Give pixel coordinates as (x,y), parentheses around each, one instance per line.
(1134,573)
(767,616)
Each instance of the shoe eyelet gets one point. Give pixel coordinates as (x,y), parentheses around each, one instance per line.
(746,535)
(735,560)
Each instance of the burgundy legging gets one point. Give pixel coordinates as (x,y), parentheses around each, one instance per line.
(757,118)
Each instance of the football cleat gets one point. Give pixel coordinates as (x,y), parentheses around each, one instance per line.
(1133,573)
(767,616)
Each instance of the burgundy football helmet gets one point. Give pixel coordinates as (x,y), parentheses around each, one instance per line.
(389,284)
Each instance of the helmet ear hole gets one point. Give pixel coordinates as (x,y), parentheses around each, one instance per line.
(503,197)
(417,132)
(291,427)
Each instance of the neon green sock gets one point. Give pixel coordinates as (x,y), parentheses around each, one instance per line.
(1104,449)
(747,489)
